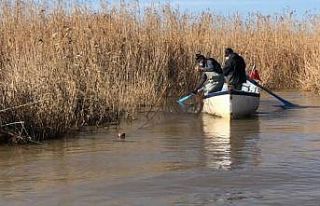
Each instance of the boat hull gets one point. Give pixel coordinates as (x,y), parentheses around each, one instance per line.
(231,104)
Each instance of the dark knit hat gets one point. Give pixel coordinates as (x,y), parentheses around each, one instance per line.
(227,52)
(199,56)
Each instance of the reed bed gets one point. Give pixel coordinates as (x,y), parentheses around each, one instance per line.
(64,66)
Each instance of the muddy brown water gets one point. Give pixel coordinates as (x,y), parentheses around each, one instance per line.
(176,159)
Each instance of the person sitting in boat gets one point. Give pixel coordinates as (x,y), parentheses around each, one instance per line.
(212,78)
(234,69)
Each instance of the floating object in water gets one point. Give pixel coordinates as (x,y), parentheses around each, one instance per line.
(121,136)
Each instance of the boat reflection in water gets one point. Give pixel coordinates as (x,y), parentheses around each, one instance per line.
(230,144)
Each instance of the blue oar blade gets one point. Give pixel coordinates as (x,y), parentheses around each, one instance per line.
(289,105)
(286,104)
(181,104)
(183,99)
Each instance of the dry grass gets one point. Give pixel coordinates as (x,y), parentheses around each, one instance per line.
(76,67)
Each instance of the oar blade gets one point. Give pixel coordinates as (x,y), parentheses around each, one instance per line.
(289,105)
(286,104)
(183,99)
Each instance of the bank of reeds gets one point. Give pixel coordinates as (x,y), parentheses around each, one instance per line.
(63,67)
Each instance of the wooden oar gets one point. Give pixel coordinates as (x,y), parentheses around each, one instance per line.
(286,103)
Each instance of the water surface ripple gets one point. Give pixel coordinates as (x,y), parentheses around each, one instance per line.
(270,159)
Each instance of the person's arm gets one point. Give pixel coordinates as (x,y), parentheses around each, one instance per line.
(228,67)
(200,84)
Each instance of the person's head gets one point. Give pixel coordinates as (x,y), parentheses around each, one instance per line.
(227,52)
(199,57)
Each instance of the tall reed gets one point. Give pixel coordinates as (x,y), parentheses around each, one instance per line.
(63,65)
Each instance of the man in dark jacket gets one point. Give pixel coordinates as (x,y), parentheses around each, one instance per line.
(234,69)
(212,78)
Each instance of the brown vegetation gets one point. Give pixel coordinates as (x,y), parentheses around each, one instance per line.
(63,68)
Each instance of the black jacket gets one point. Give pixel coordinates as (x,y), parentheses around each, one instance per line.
(235,70)
(211,65)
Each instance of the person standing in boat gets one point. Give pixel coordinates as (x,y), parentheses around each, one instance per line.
(212,78)
(234,69)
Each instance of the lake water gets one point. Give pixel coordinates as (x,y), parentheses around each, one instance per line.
(175,159)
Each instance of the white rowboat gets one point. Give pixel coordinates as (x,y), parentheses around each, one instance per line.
(233,104)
